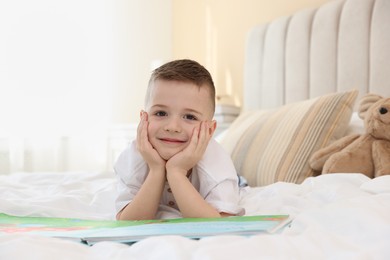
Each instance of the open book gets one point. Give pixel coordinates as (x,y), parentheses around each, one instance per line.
(93,231)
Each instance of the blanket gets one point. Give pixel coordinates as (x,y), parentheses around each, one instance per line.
(335,216)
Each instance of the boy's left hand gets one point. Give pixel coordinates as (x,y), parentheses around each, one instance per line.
(190,156)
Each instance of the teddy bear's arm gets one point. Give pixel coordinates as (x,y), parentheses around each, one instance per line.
(319,157)
(381,157)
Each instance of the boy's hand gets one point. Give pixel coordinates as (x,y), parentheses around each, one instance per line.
(190,156)
(150,155)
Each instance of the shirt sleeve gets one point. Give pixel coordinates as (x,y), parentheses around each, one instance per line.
(131,171)
(218,180)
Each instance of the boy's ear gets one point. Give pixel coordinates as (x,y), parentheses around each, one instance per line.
(213,126)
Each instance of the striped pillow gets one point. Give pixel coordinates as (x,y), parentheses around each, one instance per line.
(275,145)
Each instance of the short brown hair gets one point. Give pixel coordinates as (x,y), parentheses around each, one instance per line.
(184,70)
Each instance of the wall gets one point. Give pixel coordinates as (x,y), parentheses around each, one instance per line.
(86,60)
(142,34)
(70,69)
(213,32)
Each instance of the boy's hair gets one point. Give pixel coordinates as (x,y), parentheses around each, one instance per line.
(184,70)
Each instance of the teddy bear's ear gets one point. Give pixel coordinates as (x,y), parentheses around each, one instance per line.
(366,102)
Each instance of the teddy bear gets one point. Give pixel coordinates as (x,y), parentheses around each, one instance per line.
(367,153)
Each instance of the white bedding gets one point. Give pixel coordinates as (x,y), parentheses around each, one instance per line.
(338,216)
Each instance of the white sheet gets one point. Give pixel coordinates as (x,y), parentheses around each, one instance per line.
(337,216)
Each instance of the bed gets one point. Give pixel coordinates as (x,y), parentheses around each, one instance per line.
(303,77)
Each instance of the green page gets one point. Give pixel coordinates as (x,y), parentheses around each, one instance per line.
(93,231)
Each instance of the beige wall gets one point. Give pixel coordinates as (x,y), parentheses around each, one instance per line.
(142,34)
(213,32)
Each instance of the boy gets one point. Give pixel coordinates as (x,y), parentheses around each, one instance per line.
(174,168)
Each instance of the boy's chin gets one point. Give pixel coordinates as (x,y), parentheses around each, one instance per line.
(166,156)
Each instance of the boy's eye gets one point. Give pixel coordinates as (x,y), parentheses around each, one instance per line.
(160,113)
(190,117)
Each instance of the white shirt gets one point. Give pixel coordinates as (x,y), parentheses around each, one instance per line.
(214,177)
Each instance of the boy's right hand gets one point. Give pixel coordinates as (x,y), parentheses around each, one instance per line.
(150,155)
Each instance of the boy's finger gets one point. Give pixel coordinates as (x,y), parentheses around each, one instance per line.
(194,140)
(139,130)
(140,123)
(202,138)
(142,137)
(195,136)
(205,130)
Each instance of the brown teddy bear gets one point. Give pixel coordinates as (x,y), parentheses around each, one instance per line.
(367,153)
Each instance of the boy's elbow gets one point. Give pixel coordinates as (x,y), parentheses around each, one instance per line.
(119,215)
(225,215)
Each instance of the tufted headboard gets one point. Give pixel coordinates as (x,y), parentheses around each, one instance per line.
(342,45)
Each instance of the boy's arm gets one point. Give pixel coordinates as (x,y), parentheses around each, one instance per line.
(190,202)
(145,203)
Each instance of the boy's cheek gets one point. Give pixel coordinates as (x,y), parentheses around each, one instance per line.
(151,129)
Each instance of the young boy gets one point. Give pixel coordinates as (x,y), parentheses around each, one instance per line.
(174,168)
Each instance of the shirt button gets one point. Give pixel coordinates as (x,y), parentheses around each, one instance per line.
(169,190)
(171,203)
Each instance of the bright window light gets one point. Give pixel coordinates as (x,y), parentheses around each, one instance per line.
(55,66)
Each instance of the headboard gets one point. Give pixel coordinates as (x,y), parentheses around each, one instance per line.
(342,45)
(298,73)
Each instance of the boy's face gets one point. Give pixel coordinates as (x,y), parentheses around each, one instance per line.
(174,109)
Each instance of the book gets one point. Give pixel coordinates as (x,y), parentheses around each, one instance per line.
(94,231)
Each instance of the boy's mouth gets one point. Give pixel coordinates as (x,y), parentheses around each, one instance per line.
(172,140)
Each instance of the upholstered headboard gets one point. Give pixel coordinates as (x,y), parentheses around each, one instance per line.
(344,44)
(304,67)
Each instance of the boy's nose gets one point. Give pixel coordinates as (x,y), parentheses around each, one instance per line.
(173,125)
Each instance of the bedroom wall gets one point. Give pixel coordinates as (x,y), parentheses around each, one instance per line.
(71,70)
(142,35)
(210,31)
(213,32)
(68,71)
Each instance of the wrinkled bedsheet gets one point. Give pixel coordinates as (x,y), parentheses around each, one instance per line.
(336,216)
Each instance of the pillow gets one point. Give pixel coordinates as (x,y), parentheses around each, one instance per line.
(275,145)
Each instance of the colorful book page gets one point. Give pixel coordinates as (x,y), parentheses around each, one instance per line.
(93,231)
